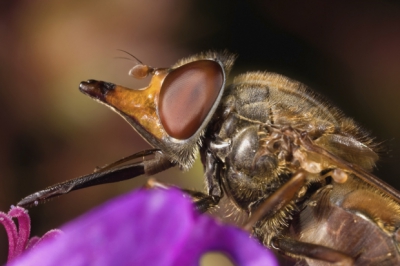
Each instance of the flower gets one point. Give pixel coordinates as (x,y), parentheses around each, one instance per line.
(18,238)
(146,227)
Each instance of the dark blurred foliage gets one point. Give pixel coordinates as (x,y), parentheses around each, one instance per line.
(348,51)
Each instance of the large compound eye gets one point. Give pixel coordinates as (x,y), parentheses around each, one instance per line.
(187,95)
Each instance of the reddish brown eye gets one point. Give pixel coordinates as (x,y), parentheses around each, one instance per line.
(187,96)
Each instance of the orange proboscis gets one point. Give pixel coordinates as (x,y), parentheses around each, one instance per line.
(141,105)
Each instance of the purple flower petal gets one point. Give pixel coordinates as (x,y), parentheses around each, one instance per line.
(18,237)
(24,228)
(12,233)
(32,242)
(35,241)
(148,227)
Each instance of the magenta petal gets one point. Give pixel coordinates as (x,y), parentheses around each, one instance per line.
(34,242)
(24,228)
(148,227)
(12,233)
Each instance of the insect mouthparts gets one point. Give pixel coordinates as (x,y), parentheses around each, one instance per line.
(96,89)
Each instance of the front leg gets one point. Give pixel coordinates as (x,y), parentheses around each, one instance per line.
(114,172)
(202,201)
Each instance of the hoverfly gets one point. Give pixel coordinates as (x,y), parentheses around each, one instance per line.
(295,164)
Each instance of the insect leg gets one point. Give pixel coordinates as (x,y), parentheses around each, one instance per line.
(278,199)
(311,251)
(157,164)
(125,160)
(202,201)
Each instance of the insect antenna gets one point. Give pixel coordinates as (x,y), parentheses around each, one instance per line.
(139,70)
(120,57)
(134,57)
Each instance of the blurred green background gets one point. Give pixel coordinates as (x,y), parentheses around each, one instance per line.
(348,51)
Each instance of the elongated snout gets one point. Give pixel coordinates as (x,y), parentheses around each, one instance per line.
(96,89)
